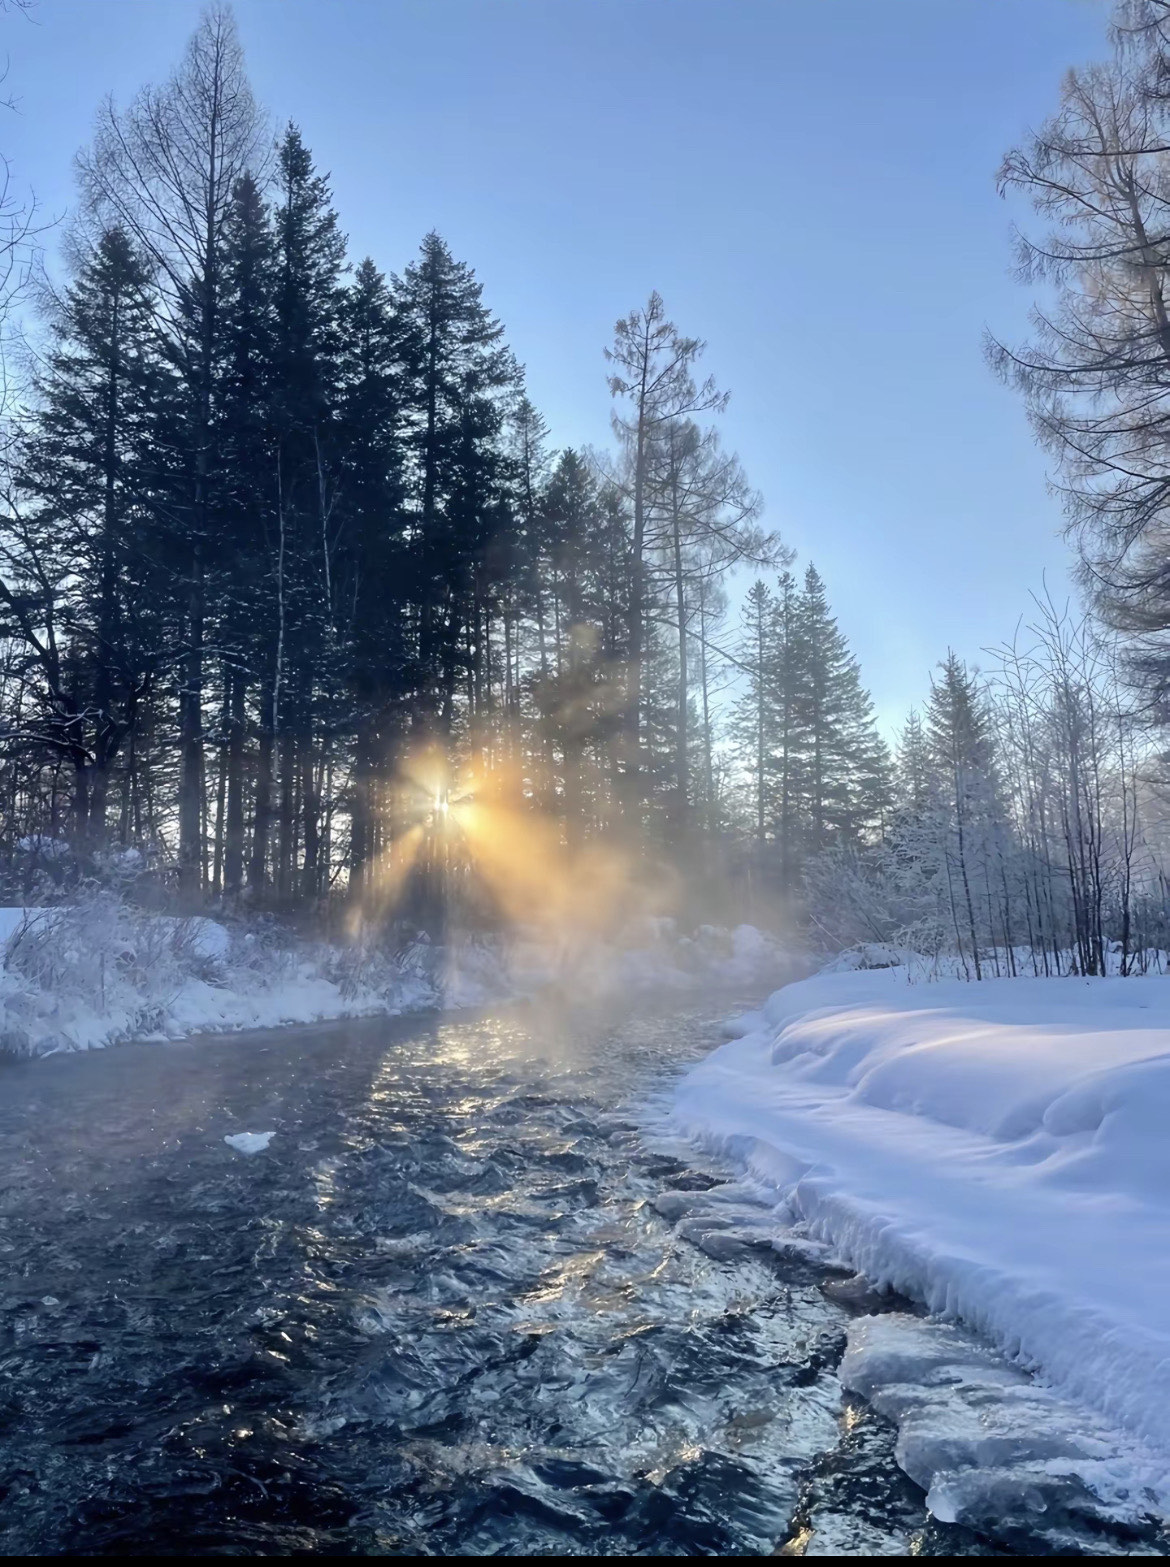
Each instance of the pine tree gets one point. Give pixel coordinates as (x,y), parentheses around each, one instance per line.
(309,255)
(846,781)
(376,581)
(245,594)
(165,171)
(459,378)
(90,543)
(912,771)
(959,735)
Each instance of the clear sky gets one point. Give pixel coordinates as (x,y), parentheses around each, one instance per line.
(808,183)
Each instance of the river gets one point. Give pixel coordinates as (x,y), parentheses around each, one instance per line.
(440,1314)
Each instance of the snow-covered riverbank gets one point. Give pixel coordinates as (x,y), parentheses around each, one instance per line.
(999,1151)
(92,973)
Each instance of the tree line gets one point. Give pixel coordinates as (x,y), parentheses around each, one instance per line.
(1026,830)
(276,522)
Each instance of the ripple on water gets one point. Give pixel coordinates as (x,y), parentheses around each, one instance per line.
(459,1306)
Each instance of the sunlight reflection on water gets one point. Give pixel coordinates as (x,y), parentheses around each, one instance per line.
(440,1315)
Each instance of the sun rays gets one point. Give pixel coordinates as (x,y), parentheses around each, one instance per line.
(471,839)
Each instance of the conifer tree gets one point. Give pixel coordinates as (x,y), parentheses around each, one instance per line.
(846,778)
(960,739)
(912,771)
(165,171)
(702,524)
(374,592)
(459,377)
(88,549)
(282,523)
(309,255)
(789,676)
(755,718)
(571,523)
(654,379)
(246,593)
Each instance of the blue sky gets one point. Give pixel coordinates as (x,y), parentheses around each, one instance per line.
(809,184)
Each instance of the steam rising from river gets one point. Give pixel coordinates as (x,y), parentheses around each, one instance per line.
(473,840)
(473,857)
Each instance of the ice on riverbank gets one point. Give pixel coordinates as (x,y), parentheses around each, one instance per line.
(86,974)
(997,1150)
(991,1448)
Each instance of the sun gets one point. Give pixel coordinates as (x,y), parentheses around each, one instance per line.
(462,838)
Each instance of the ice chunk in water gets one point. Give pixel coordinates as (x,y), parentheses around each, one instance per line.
(249,1142)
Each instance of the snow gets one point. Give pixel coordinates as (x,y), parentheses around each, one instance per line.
(986,1443)
(998,1151)
(82,975)
(249,1142)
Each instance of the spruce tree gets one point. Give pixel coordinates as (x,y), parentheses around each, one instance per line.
(460,377)
(92,540)
(961,750)
(309,256)
(246,598)
(165,171)
(374,592)
(912,770)
(846,782)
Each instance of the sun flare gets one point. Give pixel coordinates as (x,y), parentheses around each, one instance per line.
(473,841)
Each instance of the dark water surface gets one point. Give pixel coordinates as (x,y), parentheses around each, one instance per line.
(439,1315)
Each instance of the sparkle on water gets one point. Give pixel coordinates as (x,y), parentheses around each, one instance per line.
(442,1314)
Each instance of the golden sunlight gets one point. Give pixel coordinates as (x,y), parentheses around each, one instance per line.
(476,843)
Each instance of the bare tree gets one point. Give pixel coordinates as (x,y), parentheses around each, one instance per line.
(1097,373)
(654,378)
(703,523)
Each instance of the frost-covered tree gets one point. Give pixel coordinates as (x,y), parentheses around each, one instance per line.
(1096,375)
(654,385)
(819,770)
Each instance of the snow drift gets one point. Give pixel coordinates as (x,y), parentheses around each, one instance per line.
(999,1151)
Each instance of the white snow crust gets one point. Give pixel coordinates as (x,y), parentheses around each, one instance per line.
(990,1446)
(998,1151)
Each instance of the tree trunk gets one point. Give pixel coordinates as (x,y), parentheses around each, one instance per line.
(262,826)
(286,848)
(311,817)
(682,754)
(191,738)
(233,851)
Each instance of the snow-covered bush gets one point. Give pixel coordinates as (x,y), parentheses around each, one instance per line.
(69,971)
(100,968)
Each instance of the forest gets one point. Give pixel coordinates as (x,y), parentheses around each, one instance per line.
(290,565)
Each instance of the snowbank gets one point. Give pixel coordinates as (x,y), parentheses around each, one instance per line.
(82,975)
(77,976)
(999,1151)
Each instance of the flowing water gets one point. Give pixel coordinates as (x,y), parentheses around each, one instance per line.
(454,1308)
